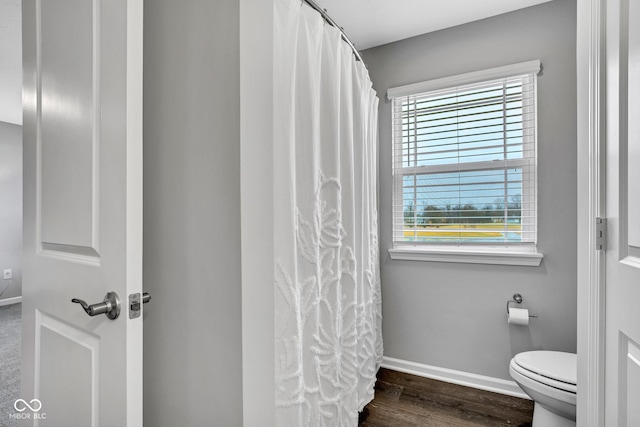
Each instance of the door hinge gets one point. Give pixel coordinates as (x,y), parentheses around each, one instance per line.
(601,234)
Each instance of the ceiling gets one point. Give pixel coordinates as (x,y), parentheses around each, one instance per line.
(368,23)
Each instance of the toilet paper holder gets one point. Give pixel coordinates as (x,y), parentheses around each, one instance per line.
(517,298)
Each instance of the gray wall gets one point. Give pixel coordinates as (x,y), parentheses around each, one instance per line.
(256,142)
(11,208)
(453,315)
(192,336)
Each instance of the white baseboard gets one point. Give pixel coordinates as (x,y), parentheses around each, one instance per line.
(9,301)
(481,382)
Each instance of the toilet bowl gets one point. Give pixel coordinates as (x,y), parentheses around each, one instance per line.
(549,378)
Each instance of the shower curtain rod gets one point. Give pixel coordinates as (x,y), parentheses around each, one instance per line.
(331,22)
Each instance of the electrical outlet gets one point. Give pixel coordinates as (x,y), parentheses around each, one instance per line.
(7,274)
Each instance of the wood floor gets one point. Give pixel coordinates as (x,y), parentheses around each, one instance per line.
(404,400)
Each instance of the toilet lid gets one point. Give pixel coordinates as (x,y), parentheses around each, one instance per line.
(555,365)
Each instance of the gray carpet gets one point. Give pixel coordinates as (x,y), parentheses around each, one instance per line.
(10,346)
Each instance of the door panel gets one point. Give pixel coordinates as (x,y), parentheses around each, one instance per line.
(70,126)
(83,210)
(629,381)
(630,72)
(622,370)
(64,352)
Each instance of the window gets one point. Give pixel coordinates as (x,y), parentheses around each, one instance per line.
(464,165)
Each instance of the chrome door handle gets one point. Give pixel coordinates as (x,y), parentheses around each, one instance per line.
(110,306)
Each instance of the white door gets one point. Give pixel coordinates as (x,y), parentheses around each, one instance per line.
(622,371)
(83,211)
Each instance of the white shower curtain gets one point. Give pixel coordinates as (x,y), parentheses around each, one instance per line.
(327,297)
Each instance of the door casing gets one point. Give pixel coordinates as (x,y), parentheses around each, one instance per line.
(591,291)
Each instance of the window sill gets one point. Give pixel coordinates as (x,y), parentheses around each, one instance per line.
(468,255)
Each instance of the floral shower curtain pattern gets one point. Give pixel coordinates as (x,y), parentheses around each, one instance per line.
(327,297)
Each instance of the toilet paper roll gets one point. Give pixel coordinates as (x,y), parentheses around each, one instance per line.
(518,316)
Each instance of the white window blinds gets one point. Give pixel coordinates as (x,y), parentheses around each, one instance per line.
(464,164)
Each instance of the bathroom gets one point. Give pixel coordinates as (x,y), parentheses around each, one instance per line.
(439,317)
(208,332)
(438,313)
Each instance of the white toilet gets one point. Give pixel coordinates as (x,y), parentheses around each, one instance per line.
(549,378)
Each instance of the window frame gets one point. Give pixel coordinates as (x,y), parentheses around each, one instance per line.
(526,253)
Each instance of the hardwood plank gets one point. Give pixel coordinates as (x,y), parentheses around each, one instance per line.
(408,400)
(388,391)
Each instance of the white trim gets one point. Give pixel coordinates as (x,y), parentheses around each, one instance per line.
(468,255)
(10,301)
(467,78)
(591,32)
(467,379)
(465,167)
(134,212)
